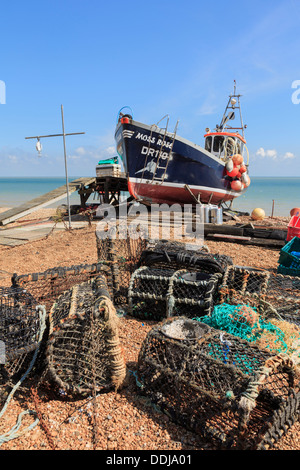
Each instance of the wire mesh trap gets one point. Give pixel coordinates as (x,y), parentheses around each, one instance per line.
(83,353)
(20,326)
(120,249)
(220,386)
(175,278)
(48,285)
(160,293)
(273,294)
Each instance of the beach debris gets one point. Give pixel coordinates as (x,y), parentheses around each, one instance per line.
(258,214)
(228,390)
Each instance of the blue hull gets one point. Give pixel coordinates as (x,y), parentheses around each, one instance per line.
(164,169)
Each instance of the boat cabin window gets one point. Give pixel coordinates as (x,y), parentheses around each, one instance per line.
(218,143)
(222,145)
(208,143)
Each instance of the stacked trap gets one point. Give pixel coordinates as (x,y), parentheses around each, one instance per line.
(119,250)
(218,385)
(173,280)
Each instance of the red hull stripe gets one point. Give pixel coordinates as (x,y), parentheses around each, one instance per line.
(172,192)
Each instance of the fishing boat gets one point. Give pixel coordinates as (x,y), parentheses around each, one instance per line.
(162,167)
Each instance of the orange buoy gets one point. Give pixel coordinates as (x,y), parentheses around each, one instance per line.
(237,159)
(243,169)
(294,211)
(233,173)
(237,185)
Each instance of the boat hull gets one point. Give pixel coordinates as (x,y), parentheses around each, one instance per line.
(163,169)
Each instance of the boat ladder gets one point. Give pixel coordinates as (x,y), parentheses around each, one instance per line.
(164,157)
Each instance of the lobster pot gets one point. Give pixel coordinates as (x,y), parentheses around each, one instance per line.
(273,294)
(148,291)
(283,295)
(228,391)
(48,285)
(20,327)
(119,249)
(83,354)
(244,285)
(177,255)
(160,293)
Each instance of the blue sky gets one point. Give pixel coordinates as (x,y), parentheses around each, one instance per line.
(160,57)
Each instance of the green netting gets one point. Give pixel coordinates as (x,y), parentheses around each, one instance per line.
(244,322)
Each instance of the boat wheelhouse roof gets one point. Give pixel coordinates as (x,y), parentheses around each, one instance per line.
(226,134)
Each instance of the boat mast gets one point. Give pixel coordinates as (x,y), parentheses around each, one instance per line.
(233,104)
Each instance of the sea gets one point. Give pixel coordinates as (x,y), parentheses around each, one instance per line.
(279,194)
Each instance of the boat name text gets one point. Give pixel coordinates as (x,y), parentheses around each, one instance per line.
(152,140)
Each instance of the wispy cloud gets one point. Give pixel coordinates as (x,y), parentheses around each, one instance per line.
(92,153)
(288,156)
(274,154)
(261,152)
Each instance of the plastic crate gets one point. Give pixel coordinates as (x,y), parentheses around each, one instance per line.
(288,271)
(286,258)
(293,228)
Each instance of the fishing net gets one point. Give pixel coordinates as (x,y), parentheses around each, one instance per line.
(160,293)
(277,336)
(48,285)
(120,250)
(223,387)
(20,327)
(83,354)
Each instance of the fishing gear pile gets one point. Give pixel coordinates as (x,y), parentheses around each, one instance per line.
(218,385)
